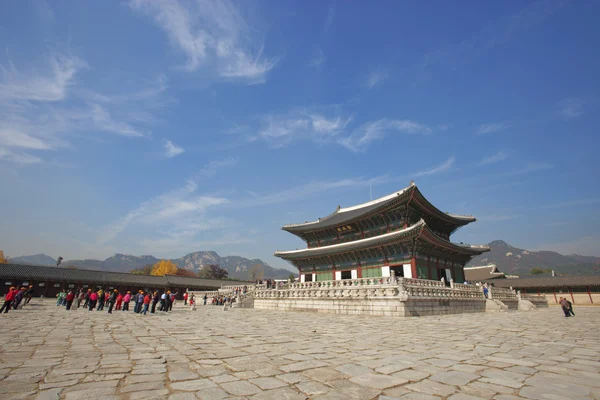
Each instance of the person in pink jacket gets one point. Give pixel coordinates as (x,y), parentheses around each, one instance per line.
(126,301)
(93,300)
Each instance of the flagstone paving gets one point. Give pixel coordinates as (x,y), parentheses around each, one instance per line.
(47,352)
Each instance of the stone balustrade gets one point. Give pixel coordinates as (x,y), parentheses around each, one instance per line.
(502,294)
(386,287)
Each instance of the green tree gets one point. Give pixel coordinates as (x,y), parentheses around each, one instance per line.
(145,270)
(213,271)
(538,271)
(292,277)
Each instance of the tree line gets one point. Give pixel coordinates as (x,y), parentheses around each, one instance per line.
(168,267)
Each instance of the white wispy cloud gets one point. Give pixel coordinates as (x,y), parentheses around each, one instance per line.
(18,157)
(311,188)
(572,108)
(529,167)
(573,203)
(318,59)
(494,34)
(51,84)
(437,169)
(484,129)
(361,137)
(212,34)
(41,106)
(172,150)
(376,77)
(494,158)
(178,213)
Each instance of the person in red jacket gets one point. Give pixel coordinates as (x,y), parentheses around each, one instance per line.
(8,299)
(70,298)
(147,299)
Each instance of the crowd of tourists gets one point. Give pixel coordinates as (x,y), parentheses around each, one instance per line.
(116,301)
(270,283)
(16,298)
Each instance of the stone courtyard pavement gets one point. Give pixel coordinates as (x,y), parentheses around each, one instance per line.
(47,352)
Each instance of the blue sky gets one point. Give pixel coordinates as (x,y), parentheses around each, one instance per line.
(167,127)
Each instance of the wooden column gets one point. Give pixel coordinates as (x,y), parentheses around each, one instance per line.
(429,267)
(571,293)
(590,294)
(413,267)
(554,293)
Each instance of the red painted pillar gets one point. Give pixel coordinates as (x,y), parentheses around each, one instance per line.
(413,268)
(590,294)
(359,272)
(554,293)
(571,293)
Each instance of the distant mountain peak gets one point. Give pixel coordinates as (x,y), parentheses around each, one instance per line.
(515,261)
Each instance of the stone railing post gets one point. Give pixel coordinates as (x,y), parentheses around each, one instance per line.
(452,283)
(519,295)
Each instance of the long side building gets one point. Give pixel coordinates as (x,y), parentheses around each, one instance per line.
(402,232)
(48,281)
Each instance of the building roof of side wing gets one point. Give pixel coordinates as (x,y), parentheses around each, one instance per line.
(483,273)
(582,281)
(416,231)
(85,276)
(349,214)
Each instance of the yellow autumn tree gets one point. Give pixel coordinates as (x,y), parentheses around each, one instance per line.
(3,260)
(164,267)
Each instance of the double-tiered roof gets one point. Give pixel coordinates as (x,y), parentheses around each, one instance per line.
(408,202)
(401,226)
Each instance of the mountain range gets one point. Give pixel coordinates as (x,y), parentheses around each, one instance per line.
(514,261)
(510,260)
(237,267)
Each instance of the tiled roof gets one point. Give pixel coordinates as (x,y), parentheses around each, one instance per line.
(39,272)
(549,282)
(419,230)
(349,214)
(478,274)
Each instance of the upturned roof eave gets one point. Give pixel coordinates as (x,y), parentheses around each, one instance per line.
(418,230)
(355,214)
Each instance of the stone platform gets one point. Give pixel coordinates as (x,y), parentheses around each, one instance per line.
(47,352)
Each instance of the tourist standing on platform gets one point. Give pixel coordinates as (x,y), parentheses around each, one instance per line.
(29,294)
(80,297)
(126,301)
(70,297)
(59,297)
(155,300)
(185,298)
(172,301)
(8,299)
(112,299)
(87,298)
(163,302)
(147,299)
(205,298)
(564,305)
(192,299)
(570,307)
(119,301)
(139,301)
(18,297)
(100,300)
(92,301)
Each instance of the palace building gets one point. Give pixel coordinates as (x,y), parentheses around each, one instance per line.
(402,232)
